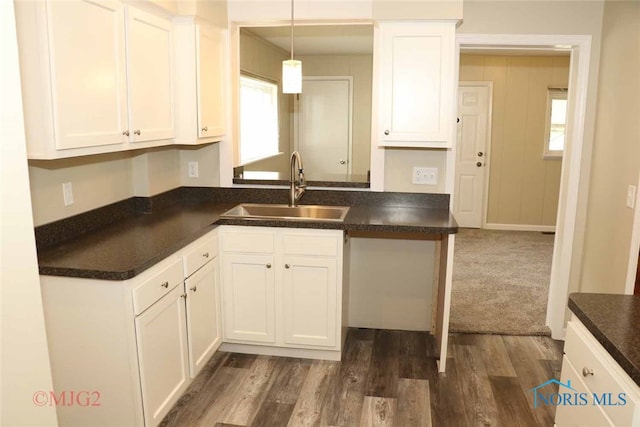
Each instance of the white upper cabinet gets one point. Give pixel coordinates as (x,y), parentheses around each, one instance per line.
(96,77)
(200,99)
(416,83)
(150,63)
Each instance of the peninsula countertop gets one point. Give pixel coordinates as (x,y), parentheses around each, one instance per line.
(613,320)
(123,248)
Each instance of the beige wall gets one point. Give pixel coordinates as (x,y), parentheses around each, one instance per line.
(96,180)
(523,186)
(263,59)
(25,367)
(360,68)
(616,153)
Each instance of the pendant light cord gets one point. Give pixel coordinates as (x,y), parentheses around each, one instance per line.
(291,29)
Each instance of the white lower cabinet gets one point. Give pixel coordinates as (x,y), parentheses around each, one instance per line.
(135,344)
(161,333)
(601,393)
(282,290)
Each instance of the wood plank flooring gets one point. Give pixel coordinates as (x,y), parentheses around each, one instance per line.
(386,378)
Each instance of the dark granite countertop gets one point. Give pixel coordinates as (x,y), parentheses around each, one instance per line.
(325,180)
(614,321)
(129,245)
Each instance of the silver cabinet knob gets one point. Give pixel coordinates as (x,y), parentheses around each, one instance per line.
(287,266)
(480,154)
(386,132)
(268,265)
(206,254)
(183,296)
(136,132)
(587,371)
(125,132)
(195,288)
(205,129)
(479,164)
(164,284)
(343,162)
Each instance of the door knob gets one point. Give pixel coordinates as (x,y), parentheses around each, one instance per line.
(480,153)
(342,162)
(479,164)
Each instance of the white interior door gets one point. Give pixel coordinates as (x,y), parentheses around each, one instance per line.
(471,154)
(323,131)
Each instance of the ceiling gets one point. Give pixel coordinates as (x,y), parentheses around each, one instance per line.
(320,39)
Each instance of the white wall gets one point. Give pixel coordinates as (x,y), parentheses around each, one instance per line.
(23,346)
(616,152)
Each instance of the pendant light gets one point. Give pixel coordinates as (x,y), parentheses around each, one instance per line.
(291,69)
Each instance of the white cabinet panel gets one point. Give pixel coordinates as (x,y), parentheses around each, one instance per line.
(203,318)
(161,334)
(88,80)
(416,83)
(310,300)
(150,51)
(210,78)
(248,297)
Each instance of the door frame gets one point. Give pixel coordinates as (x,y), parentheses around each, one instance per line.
(296,111)
(487,150)
(634,264)
(579,47)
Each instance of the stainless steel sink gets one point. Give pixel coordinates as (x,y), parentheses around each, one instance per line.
(289,213)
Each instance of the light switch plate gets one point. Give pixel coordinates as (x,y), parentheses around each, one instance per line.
(425,176)
(631,196)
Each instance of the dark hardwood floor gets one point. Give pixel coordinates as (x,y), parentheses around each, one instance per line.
(386,378)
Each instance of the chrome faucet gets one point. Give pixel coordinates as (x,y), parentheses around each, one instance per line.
(296,184)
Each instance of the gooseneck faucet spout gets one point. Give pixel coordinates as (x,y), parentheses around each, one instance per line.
(296,182)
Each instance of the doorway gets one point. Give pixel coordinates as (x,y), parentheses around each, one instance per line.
(580,50)
(323,124)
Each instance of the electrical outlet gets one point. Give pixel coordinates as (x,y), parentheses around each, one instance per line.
(631,196)
(67,193)
(193,170)
(425,176)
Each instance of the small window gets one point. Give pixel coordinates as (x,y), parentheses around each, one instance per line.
(556,123)
(258,119)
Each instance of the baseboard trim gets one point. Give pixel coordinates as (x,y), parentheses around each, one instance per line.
(521,227)
(302,353)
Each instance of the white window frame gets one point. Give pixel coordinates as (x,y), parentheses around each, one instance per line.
(553,93)
(262,131)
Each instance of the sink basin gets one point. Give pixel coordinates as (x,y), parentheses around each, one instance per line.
(285,212)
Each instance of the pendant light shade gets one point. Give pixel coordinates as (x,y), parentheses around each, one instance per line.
(291,76)
(291,69)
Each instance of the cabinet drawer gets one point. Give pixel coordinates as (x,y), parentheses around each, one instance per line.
(312,244)
(578,415)
(247,241)
(584,351)
(156,286)
(197,256)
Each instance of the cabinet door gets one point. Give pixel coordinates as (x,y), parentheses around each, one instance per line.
(203,320)
(149,48)
(87,60)
(209,72)
(416,62)
(161,335)
(248,297)
(310,301)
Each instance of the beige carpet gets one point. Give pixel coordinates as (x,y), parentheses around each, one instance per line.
(501,282)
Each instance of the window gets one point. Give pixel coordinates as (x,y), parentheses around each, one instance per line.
(258,119)
(556,123)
